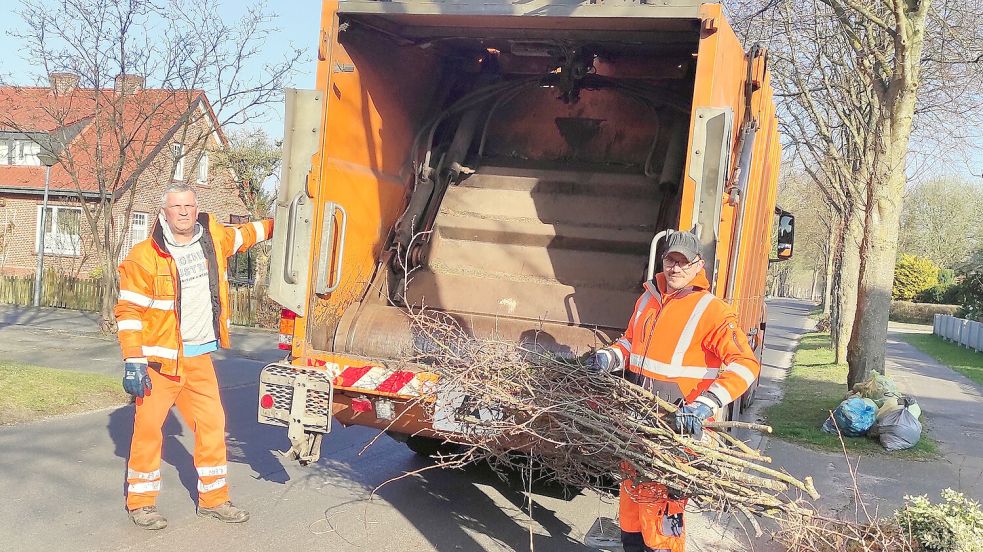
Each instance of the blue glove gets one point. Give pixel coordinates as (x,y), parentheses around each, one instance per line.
(602,361)
(689,419)
(136,382)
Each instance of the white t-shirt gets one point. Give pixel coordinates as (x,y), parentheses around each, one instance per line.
(197,323)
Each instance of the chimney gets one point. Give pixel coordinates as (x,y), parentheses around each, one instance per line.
(129,84)
(63,83)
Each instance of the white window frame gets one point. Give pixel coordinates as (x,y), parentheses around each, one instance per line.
(53,244)
(177,153)
(203,168)
(132,239)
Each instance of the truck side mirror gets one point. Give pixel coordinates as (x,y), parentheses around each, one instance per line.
(786,236)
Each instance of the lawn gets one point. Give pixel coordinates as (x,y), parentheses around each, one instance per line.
(814,386)
(965,361)
(31,392)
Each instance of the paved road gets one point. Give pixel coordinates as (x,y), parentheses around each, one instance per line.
(61,480)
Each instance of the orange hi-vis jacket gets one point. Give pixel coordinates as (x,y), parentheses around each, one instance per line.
(686,345)
(148,313)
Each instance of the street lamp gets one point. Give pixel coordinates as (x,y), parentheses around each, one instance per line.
(47,159)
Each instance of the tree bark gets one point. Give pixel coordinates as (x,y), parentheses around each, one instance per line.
(848,279)
(831,246)
(883,220)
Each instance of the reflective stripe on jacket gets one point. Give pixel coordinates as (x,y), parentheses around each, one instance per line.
(686,345)
(148,313)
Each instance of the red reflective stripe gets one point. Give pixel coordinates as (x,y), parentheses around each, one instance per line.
(351,375)
(395,382)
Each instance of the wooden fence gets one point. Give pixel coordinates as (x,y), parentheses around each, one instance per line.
(66,292)
(57,291)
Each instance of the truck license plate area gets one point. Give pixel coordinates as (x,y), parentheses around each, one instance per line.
(456,412)
(295,394)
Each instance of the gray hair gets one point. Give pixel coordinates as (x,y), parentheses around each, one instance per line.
(177,188)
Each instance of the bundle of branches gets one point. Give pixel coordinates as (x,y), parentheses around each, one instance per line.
(499,397)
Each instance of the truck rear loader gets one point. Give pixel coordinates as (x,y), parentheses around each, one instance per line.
(515,165)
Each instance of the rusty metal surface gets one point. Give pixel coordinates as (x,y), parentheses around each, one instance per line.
(553,258)
(387,332)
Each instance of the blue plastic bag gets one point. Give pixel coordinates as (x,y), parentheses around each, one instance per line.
(854,417)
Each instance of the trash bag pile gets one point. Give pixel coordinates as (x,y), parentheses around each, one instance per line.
(877,409)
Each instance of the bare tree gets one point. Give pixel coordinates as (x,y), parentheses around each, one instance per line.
(139,66)
(858,74)
(253,159)
(941,220)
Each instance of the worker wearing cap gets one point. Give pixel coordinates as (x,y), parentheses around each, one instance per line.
(173,311)
(683,344)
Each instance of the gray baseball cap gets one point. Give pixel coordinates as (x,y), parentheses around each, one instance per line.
(683,242)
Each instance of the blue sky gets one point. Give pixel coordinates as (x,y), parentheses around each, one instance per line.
(298,22)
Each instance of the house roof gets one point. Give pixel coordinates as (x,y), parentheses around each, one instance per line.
(125,132)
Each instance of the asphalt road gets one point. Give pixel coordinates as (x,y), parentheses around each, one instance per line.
(61,480)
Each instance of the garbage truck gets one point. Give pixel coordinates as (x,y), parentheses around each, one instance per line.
(514,165)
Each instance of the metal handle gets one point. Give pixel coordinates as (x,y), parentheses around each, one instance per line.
(289,274)
(655,245)
(327,232)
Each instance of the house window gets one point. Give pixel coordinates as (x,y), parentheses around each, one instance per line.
(203,169)
(177,152)
(26,152)
(139,230)
(19,152)
(62,231)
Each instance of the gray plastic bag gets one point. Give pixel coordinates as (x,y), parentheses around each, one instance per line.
(899,430)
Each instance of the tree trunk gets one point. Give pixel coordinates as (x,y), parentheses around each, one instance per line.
(831,245)
(883,220)
(848,278)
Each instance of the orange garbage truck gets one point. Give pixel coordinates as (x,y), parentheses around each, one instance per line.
(522,162)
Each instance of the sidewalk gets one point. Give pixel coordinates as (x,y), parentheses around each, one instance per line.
(48,336)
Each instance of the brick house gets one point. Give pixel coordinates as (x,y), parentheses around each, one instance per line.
(166,135)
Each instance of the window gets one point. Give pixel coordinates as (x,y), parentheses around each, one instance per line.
(26,152)
(177,152)
(139,230)
(62,231)
(19,152)
(203,168)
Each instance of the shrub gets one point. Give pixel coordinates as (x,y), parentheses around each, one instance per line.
(955,525)
(919,313)
(939,294)
(912,275)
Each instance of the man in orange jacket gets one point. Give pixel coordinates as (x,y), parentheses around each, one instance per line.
(173,311)
(683,344)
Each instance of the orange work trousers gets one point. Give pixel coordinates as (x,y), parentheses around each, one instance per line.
(647,509)
(195,393)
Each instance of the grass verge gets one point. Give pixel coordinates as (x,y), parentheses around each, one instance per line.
(814,386)
(965,361)
(32,392)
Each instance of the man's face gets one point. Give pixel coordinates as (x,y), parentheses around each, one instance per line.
(181,212)
(679,270)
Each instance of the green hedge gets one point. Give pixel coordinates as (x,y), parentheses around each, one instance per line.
(919,313)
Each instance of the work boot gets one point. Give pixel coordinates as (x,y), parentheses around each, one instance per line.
(225,512)
(148,518)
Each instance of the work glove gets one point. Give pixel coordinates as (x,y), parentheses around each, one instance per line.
(136,382)
(601,362)
(689,419)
